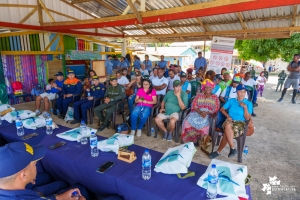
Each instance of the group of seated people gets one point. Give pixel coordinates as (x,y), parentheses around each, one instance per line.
(172,93)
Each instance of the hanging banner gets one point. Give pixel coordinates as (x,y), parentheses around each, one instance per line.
(221,53)
(82,55)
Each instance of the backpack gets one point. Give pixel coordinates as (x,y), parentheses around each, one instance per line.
(17,87)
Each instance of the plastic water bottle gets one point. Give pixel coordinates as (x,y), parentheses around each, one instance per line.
(152,131)
(212,181)
(245,152)
(146,165)
(75,194)
(119,129)
(57,112)
(83,133)
(49,129)
(93,143)
(51,110)
(89,94)
(19,126)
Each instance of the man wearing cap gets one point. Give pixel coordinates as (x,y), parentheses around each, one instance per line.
(185,85)
(108,67)
(122,64)
(18,168)
(72,86)
(172,77)
(160,83)
(199,63)
(236,111)
(113,94)
(162,63)
(56,88)
(217,88)
(174,102)
(230,91)
(96,91)
(226,81)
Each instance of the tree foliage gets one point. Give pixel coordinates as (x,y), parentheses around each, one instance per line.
(269,49)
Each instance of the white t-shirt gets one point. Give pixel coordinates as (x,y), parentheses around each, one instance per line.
(123,80)
(218,92)
(158,82)
(251,82)
(260,79)
(232,93)
(170,87)
(144,72)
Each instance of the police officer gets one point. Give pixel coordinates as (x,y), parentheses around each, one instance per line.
(80,107)
(72,86)
(18,168)
(113,93)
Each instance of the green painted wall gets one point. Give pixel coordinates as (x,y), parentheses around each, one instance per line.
(3,91)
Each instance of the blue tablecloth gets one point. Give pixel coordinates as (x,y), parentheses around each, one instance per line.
(9,132)
(74,164)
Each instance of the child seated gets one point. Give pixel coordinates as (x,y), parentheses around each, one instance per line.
(49,86)
(37,90)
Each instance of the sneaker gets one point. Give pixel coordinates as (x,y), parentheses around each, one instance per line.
(255,105)
(253,115)
(280,100)
(214,154)
(139,133)
(37,112)
(170,137)
(45,114)
(165,136)
(293,102)
(232,152)
(132,132)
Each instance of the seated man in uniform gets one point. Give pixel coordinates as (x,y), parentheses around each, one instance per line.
(72,86)
(56,88)
(18,168)
(80,107)
(113,94)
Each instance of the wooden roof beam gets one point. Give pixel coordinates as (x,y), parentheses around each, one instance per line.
(127,9)
(134,10)
(28,15)
(240,16)
(77,8)
(106,5)
(201,23)
(182,39)
(294,18)
(46,10)
(79,1)
(40,13)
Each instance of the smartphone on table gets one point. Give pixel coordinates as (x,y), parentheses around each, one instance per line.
(105,167)
(57,145)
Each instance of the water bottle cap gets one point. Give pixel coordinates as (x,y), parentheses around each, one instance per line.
(146,150)
(92,133)
(246,146)
(74,193)
(213,166)
(82,121)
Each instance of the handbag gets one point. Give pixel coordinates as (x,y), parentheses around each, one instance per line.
(123,128)
(250,130)
(129,92)
(70,114)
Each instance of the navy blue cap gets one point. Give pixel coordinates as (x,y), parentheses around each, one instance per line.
(218,76)
(59,74)
(16,156)
(38,86)
(241,87)
(71,72)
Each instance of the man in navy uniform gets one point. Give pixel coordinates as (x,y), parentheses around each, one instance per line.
(80,107)
(18,168)
(72,86)
(113,94)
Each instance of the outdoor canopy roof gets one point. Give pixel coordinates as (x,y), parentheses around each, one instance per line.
(149,21)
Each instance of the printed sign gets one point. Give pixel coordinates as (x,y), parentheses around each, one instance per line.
(221,53)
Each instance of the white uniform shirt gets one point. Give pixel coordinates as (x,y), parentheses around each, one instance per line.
(158,82)
(170,87)
(144,72)
(251,82)
(232,93)
(123,80)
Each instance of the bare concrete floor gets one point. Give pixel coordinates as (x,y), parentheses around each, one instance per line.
(273,148)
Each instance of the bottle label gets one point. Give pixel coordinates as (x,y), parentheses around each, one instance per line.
(93,143)
(147,163)
(245,151)
(49,123)
(212,180)
(19,124)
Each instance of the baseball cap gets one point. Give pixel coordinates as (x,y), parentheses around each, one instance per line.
(241,87)
(95,77)
(176,83)
(138,73)
(113,78)
(59,74)
(227,72)
(183,74)
(38,86)
(71,72)
(16,156)
(218,76)
(237,79)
